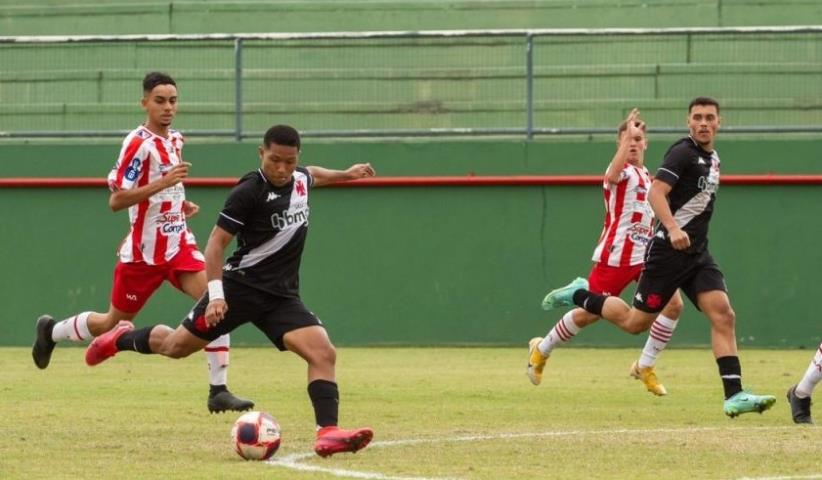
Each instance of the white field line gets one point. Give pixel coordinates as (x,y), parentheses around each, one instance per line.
(294,461)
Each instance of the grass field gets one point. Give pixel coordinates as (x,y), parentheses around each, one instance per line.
(437,413)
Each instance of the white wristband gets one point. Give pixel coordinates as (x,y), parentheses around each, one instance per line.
(215,290)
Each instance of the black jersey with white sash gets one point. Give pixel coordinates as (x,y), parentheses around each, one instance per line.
(693,175)
(271,225)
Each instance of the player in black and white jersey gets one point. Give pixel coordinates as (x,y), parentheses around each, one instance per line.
(268,212)
(682,196)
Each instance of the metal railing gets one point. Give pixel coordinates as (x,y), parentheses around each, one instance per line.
(535,78)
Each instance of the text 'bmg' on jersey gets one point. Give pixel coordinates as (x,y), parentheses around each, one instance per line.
(271,225)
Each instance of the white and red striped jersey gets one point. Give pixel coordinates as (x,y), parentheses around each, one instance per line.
(158,225)
(628,219)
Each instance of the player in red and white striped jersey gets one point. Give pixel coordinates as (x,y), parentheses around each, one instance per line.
(618,257)
(147,180)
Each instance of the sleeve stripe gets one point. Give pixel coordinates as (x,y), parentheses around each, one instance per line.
(232,219)
(672,173)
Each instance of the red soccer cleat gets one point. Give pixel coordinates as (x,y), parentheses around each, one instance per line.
(105,346)
(331,440)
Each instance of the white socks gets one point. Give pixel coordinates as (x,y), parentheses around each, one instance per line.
(812,376)
(563,332)
(73,328)
(661,331)
(217,356)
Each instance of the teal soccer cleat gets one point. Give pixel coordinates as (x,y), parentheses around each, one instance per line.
(564,296)
(745,402)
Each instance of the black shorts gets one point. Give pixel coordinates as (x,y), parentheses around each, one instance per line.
(274,316)
(667,269)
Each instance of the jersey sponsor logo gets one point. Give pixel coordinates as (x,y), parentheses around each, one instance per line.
(272,196)
(171,223)
(288,218)
(300,187)
(710,184)
(639,233)
(133,169)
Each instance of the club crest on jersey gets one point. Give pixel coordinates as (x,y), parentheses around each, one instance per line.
(300,188)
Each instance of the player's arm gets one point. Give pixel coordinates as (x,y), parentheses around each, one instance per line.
(324,176)
(658,198)
(214,251)
(635,127)
(124,198)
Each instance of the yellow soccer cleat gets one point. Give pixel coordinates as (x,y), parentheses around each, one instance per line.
(536,361)
(648,377)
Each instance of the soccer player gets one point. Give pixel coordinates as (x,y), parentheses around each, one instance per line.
(147,180)
(259,283)
(682,197)
(618,257)
(799,395)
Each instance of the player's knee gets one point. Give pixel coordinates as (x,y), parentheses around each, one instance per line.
(176,349)
(674,308)
(326,355)
(725,317)
(634,328)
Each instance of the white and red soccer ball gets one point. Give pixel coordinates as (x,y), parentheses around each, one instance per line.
(256,436)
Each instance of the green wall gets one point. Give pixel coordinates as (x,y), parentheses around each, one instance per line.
(447,265)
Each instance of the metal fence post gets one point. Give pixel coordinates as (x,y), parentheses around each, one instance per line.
(238,89)
(529,85)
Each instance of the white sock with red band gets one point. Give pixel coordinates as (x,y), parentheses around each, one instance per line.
(73,328)
(563,332)
(661,331)
(217,356)
(812,376)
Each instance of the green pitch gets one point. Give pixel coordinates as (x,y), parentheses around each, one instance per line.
(437,413)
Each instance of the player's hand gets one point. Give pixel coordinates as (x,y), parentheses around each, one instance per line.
(176,174)
(360,170)
(190,209)
(679,239)
(215,311)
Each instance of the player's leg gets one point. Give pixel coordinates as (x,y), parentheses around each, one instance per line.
(602,279)
(717,307)
(220,399)
(658,337)
(290,326)
(799,395)
(133,285)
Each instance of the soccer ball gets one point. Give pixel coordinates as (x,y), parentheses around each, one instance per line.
(256,436)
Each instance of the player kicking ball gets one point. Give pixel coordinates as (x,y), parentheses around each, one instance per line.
(267,211)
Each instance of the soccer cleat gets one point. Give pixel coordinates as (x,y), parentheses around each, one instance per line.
(745,402)
(648,377)
(800,407)
(105,346)
(564,296)
(331,440)
(43,344)
(225,401)
(536,361)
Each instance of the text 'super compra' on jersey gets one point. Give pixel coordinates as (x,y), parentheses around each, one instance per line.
(271,225)
(693,175)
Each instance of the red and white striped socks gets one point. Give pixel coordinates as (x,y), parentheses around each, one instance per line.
(812,376)
(661,331)
(563,332)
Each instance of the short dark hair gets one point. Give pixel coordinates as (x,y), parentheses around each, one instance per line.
(282,135)
(703,101)
(152,79)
